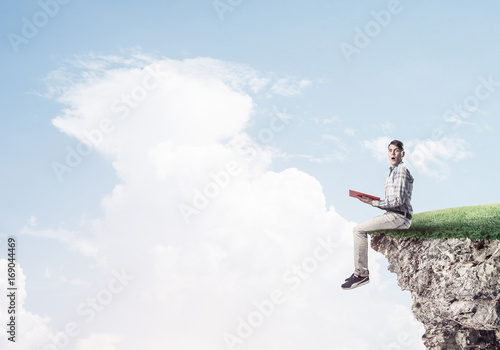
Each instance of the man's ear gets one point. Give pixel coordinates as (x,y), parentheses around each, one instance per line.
(402,154)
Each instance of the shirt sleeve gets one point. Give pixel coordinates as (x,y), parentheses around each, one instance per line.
(396,192)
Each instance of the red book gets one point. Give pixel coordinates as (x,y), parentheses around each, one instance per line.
(357,194)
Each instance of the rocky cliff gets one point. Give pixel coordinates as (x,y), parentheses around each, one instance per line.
(455,287)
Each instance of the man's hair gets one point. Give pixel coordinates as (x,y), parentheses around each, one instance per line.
(398,144)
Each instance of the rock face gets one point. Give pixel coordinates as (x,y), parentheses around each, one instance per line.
(455,287)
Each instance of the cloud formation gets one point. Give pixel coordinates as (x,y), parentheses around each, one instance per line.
(257,261)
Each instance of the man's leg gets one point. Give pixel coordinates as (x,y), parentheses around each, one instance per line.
(381,222)
(360,251)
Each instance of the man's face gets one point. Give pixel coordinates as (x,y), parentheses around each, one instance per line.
(395,155)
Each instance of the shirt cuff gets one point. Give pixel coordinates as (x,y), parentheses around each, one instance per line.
(375,203)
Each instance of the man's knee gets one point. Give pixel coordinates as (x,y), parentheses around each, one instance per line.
(358,231)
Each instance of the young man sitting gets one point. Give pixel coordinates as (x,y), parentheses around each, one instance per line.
(398,190)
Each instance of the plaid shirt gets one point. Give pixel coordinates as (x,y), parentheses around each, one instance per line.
(398,189)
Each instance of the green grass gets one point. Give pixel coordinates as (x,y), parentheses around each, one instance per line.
(475,222)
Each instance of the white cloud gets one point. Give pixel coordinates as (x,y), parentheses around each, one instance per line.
(286,87)
(349,131)
(433,157)
(377,147)
(32,331)
(253,231)
(75,282)
(327,121)
(334,150)
(71,238)
(32,221)
(60,234)
(387,127)
(459,117)
(98,341)
(333,156)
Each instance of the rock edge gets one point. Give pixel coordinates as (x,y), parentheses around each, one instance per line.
(455,288)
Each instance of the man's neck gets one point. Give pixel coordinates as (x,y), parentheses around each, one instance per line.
(394,166)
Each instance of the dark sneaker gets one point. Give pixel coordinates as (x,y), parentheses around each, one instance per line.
(351,276)
(355,281)
(348,278)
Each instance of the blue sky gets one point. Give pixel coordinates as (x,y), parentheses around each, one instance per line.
(272,75)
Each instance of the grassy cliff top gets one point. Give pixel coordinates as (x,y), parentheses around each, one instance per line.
(475,222)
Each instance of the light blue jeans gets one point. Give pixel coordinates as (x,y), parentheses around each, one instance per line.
(387,221)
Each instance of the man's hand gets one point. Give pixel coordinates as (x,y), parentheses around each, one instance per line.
(366,200)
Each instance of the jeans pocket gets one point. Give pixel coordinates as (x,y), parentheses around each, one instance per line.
(402,223)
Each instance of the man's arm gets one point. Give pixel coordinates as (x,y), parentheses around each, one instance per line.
(366,200)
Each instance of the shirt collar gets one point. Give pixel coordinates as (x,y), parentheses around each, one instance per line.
(391,168)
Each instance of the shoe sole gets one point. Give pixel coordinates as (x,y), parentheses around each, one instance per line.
(356,285)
